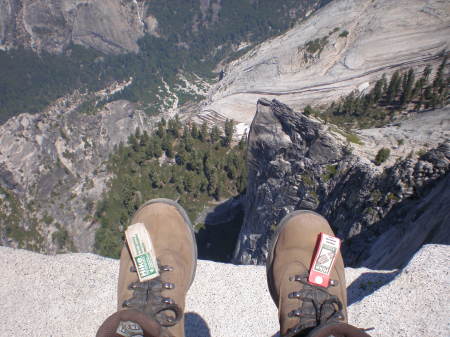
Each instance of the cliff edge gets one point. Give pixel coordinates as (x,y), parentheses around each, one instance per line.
(384,213)
(71,294)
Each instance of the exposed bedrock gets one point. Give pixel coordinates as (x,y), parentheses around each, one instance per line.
(345,46)
(109,26)
(53,172)
(383,214)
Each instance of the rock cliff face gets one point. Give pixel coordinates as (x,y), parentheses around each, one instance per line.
(382,213)
(111,26)
(52,173)
(322,59)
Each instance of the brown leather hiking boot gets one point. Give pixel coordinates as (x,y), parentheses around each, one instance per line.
(157,306)
(304,308)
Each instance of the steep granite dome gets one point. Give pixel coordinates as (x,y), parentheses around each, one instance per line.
(52,173)
(323,59)
(115,26)
(111,26)
(382,213)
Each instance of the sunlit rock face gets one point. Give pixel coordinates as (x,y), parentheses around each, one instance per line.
(384,213)
(111,26)
(344,46)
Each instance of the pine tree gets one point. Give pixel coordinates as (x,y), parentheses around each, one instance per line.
(161,131)
(204,132)
(167,146)
(394,86)
(243,141)
(434,100)
(157,147)
(215,134)
(427,97)
(194,131)
(385,85)
(229,131)
(417,91)
(213,181)
(145,139)
(419,103)
(408,87)
(181,156)
(177,122)
(187,141)
(173,128)
(438,82)
(378,90)
(426,74)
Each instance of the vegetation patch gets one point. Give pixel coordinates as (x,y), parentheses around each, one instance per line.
(190,42)
(349,136)
(11,217)
(330,172)
(375,196)
(389,97)
(317,45)
(62,239)
(307,180)
(382,155)
(191,164)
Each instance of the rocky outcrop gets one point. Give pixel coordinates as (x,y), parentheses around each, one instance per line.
(296,162)
(111,26)
(320,59)
(53,172)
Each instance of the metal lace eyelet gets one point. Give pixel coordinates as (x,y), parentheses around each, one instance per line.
(334,283)
(167,300)
(166,268)
(133,269)
(295,313)
(293,330)
(295,294)
(168,285)
(295,278)
(132,286)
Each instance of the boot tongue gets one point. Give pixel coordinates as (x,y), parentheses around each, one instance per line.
(129,329)
(320,315)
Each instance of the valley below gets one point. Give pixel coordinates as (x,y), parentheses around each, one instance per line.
(309,131)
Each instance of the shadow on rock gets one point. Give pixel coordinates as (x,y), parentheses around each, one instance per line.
(195,325)
(216,239)
(367,283)
(277,334)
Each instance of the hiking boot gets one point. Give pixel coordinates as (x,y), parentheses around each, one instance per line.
(302,306)
(157,306)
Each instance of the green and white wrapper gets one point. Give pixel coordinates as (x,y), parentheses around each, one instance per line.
(142,251)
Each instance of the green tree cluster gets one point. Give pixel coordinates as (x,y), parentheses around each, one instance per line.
(382,155)
(401,92)
(191,164)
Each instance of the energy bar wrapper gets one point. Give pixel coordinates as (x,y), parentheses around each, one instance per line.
(142,252)
(327,248)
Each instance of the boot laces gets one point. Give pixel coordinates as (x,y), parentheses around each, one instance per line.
(147,298)
(318,306)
